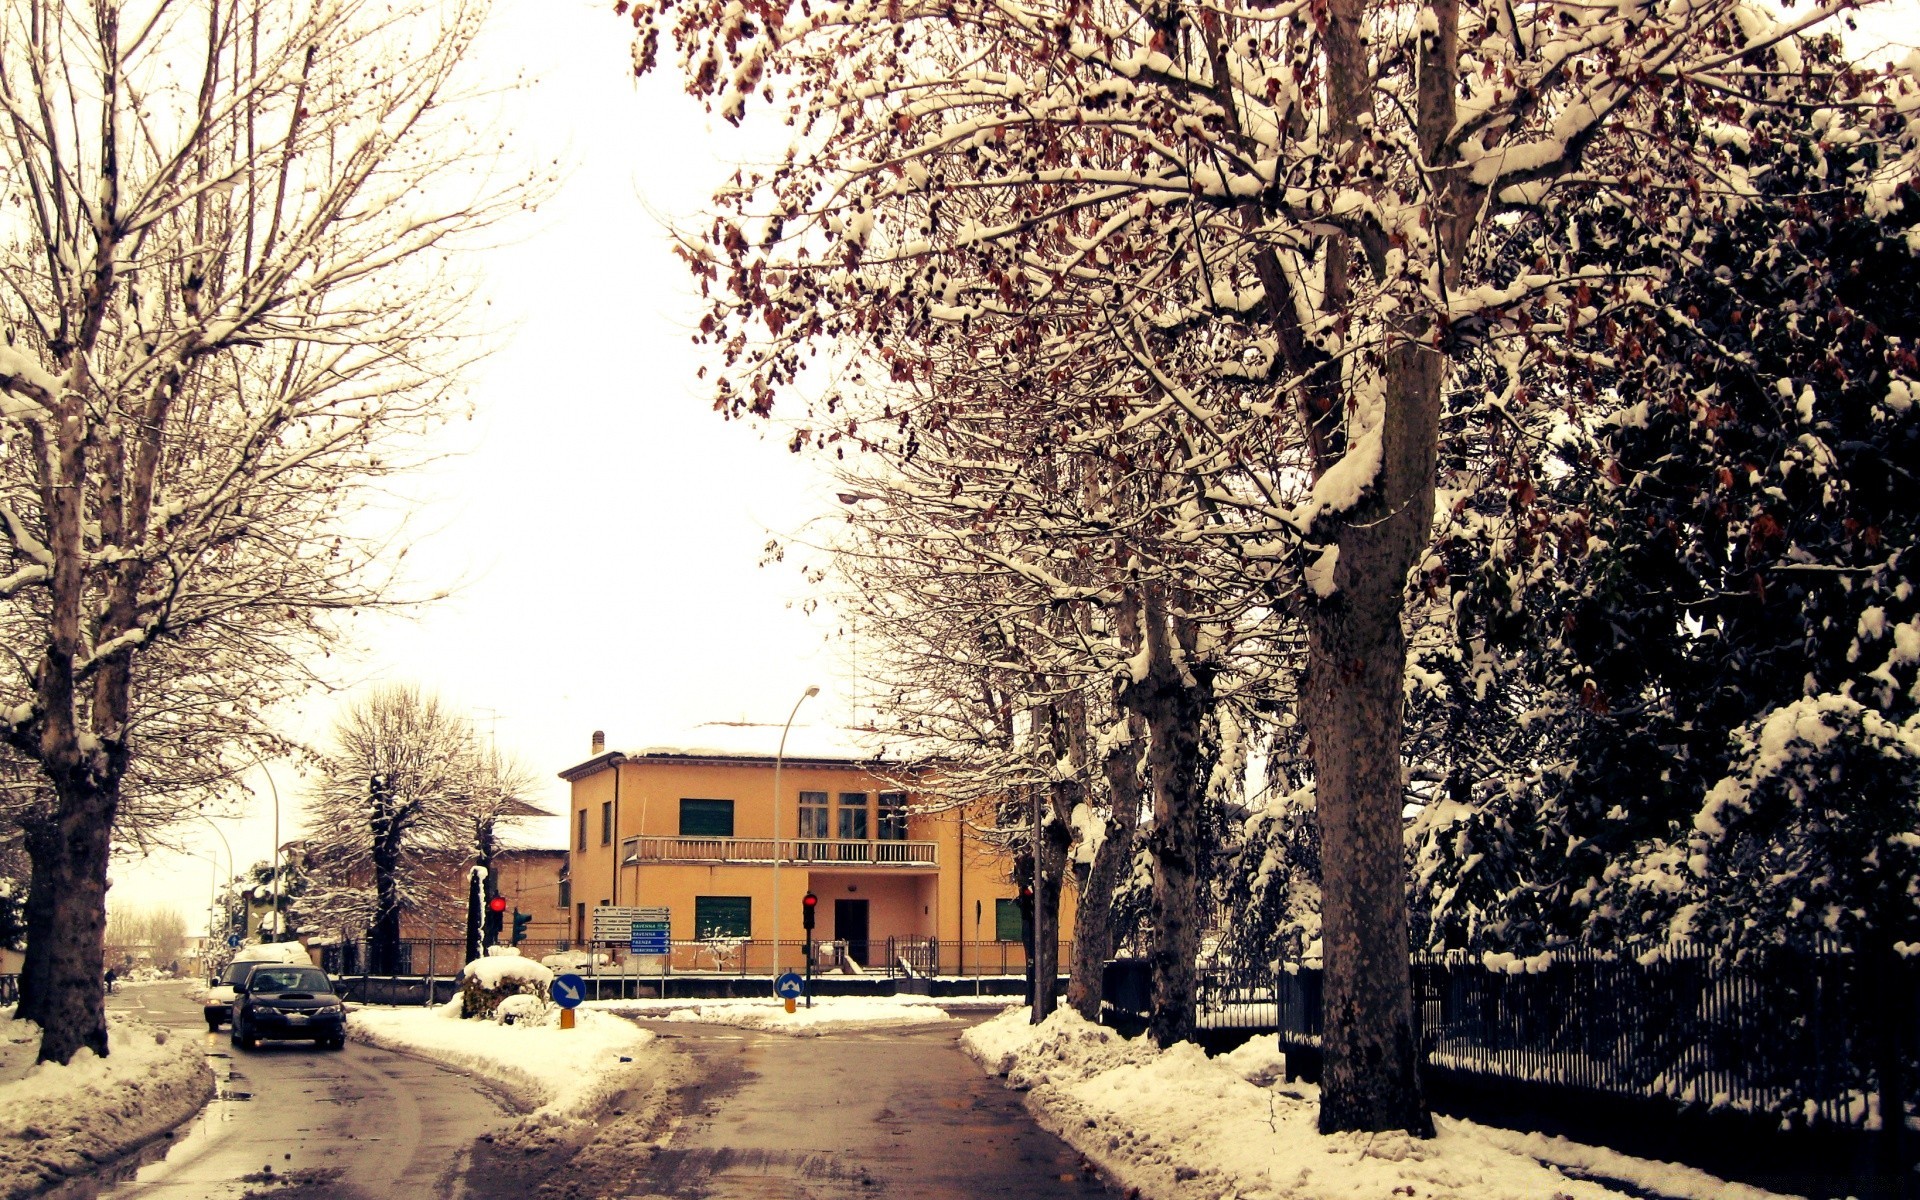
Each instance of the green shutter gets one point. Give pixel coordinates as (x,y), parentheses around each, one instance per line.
(706,818)
(722,916)
(1006,920)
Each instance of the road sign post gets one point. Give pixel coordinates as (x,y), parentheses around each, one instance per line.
(567,991)
(789,988)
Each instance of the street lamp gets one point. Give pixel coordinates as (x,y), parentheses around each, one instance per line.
(277,930)
(216,865)
(778,755)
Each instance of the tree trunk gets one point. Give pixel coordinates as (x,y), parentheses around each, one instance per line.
(1051,839)
(1093,922)
(384,937)
(1170,699)
(73,1014)
(1353,701)
(36,971)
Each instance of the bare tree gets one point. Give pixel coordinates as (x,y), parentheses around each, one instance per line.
(1284,213)
(391,792)
(224,290)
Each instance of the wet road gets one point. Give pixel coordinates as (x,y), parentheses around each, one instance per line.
(357,1124)
(897,1114)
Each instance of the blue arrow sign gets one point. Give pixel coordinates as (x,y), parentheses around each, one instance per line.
(233,939)
(568,990)
(789,986)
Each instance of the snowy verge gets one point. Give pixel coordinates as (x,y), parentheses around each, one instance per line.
(1180,1126)
(829,1014)
(57,1121)
(565,1076)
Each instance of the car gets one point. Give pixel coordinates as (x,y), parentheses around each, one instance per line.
(286,1002)
(218,1007)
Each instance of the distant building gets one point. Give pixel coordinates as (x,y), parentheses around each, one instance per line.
(698,833)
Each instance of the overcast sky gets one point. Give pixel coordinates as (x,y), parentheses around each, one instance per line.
(606,522)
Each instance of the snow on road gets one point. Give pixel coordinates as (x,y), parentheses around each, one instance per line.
(567,1075)
(1180,1126)
(57,1121)
(829,1014)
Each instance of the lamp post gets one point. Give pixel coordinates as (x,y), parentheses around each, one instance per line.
(277,930)
(228,846)
(778,755)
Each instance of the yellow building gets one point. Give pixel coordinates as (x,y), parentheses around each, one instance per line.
(702,834)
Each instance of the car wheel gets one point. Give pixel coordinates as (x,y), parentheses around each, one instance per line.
(241,1038)
(213,1025)
(337,1042)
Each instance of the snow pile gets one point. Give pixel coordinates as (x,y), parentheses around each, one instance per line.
(56,1121)
(829,1014)
(1179,1126)
(567,1075)
(496,971)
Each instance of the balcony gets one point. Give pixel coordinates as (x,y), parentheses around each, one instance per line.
(808,852)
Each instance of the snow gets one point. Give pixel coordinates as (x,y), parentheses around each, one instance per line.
(570,1075)
(497,970)
(275,952)
(56,1121)
(1177,1125)
(829,1014)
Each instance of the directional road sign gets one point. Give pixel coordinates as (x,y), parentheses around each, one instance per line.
(614,922)
(789,986)
(233,939)
(568,990)
(651,937)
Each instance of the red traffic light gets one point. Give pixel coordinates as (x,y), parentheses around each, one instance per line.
(809,899)
(497,904)
(1026,891)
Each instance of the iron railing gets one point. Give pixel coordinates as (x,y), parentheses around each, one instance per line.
(797,851)
(1798,1035)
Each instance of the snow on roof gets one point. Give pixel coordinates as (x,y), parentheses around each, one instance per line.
(751,742)
(274,952)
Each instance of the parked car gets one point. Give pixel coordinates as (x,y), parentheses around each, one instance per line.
(219,1003)
(288,1002)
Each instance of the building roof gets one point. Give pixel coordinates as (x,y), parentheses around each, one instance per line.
(750,744)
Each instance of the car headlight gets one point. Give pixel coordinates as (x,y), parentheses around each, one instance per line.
(332,1010)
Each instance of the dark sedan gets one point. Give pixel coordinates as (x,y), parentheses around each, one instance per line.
(288,1002)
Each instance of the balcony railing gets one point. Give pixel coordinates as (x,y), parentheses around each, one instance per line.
(798,851)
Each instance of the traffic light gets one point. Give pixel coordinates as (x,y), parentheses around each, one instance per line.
(808,903)
(490,929)
(520,920)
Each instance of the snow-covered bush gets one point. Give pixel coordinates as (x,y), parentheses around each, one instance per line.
(486,982)
(1812,839)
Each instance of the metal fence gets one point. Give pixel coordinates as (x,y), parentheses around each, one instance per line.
(427,958)
(1802,1036)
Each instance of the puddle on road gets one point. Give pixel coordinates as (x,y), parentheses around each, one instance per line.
(152,1160)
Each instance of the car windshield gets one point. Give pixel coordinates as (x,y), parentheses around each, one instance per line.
(287,979)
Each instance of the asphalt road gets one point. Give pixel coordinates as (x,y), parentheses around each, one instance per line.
(893,1113)
(288,1119)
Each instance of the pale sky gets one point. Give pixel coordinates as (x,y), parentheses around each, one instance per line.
(608,523)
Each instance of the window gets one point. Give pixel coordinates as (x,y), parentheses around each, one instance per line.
(722,916)
(606,823)
(1006,920)
(853,816)
(582,839)
(706,818)
(580,922)
(893,817)
(813,816)
(566,892)
(629,851)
